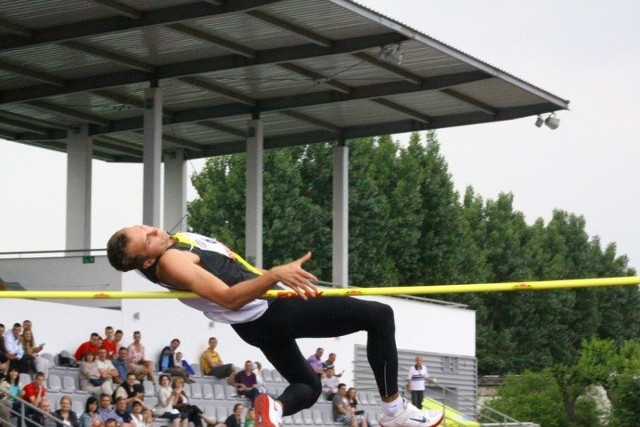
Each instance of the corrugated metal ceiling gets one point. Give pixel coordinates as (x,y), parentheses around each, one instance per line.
(313,70)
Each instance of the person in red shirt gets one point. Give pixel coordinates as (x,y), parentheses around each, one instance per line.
(35,391)
(92,345)
(109,344)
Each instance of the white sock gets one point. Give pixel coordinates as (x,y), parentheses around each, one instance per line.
(393,409)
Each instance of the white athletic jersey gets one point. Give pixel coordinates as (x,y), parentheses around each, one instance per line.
(222,262)
(417,377)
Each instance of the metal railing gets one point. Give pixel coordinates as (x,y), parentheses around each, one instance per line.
(23,416)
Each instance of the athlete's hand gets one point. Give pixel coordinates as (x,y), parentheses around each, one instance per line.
(297,278)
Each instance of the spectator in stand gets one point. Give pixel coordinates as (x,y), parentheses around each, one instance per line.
(416,379)
(106,411)
(122,412)
(44,417)
(342,412)
(33,350)
(330,384)
(166,399)
(90,378)
(166,362)
(108,372)
(91,345)
(90,416)
(246,382)
(111,422)
(4,360)
(117,338)
(353,403)
(315,361)
(35,391)
(235,419)
(212,364)
(124,366)
(250,418)
(130,390)
(194,413)
(109,343)
(262,385)
(180,361)
(65,414)
(14,351)
(10,386)
(331,363)
(141,416)
(137,356)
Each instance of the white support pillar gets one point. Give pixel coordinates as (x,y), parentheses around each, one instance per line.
(340,255)
(152,156)
(79,154)
(175,191)
(253,221)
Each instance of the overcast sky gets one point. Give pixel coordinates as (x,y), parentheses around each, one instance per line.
(585,51)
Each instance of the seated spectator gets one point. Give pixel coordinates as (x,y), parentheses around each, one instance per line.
(111,422)
(124,416)
(331,363)
(44,417)
(182,362)
(91,345)
(315,361)
(109,343)
(167,397)
(90,378)
(14,351)
(262,385)
(250,418)
(167,364)
(137,356)
(124,366)
(130,390)
(235,419)
(90,416)
(65,414)
(329,384)
(10,386)
(140,415)
(4,360)
(194,413)
(108,372)
(5,403)
(353,403)
(342,412)
(35,392)
(32,350)
(106,411)
(246,382)
(212,364)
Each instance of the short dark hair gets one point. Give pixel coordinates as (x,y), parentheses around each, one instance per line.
(117,254)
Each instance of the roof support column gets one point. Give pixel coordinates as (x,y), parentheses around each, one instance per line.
(175,191)
(152,156)
(253,220)
(340,255)
(79,154)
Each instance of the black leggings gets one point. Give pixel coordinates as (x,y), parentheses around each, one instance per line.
(287,319)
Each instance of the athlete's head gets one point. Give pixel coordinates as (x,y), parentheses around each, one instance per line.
(136,247)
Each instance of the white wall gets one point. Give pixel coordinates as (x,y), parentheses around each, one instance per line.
(419,326)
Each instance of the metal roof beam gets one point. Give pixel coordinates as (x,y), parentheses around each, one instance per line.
(207,65)
(33,121)
(15,28)
(69,112)
(312,120)
(413,78)
(125,100)
(17,123)
(32,74)
(316,77)
(120,8)
(111,56)
(471,101)
(213,39)
(159,16)
(212,87)
(404,110)
(223,128)
(178,141)
(292,28)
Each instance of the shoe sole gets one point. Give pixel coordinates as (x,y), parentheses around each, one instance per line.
(430,424)
(262,404)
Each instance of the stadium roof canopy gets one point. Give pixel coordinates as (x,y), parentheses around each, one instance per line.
(311,70)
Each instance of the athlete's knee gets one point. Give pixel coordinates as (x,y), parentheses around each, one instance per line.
(384,315)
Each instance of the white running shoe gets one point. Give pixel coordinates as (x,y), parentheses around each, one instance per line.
(413,417)
(268,411)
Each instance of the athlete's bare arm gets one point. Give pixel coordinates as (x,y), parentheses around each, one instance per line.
(181,269)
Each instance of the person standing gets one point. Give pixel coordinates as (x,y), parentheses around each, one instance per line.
(416,379)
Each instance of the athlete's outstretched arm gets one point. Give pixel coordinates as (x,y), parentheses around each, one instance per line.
(180,269)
